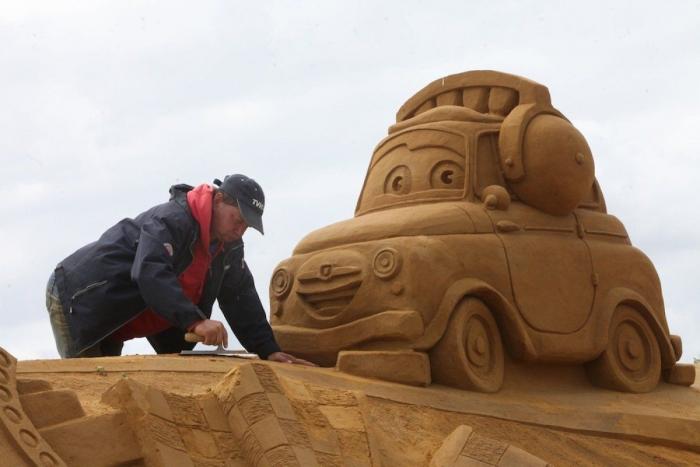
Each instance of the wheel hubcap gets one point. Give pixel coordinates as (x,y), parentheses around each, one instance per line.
(477,344)
(480,345)
(631,349)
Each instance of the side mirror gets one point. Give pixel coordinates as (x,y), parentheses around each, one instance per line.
(495,197)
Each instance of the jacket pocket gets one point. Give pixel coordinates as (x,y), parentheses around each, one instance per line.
(85,290)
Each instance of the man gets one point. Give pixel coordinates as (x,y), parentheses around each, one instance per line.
(158,275)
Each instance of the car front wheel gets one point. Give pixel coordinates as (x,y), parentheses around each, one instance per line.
(631,362)
(470,353)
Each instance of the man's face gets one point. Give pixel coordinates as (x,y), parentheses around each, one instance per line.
(227,223)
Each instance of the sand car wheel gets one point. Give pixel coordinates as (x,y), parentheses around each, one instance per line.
(470,353)
(631,362)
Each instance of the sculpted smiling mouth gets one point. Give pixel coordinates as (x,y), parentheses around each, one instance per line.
(328,284)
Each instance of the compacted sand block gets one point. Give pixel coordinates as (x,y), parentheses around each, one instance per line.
(172,411)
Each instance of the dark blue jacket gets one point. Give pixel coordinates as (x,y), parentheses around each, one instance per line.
(135,264)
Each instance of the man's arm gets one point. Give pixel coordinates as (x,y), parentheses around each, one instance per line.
(241,306)
(154,273)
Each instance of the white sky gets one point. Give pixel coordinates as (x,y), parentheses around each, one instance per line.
(104,105)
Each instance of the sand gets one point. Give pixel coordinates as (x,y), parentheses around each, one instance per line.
(551,413)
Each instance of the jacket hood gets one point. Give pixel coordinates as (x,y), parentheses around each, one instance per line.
(179,192)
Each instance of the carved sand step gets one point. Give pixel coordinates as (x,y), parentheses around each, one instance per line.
(464,448)
(46,408)
(290,423)
(96,441)
(262,418)
(47,427)
(20,441)
(28,386)
(398,366)
(175,430)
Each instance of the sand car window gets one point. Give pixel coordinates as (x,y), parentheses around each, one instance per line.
(403,172)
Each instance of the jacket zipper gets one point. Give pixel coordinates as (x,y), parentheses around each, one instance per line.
(226,255)
(234,249)
(82,291)
(87,288)
(223,266)
(194,240)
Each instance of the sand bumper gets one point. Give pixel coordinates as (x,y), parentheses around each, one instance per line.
(323,345)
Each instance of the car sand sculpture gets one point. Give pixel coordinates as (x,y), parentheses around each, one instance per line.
(480,234)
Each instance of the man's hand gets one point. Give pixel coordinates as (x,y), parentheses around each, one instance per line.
(213,332)
(286,358)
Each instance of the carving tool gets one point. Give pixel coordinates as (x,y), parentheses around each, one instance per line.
(192,337)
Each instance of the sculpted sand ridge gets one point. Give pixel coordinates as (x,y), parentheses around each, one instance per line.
(172,410)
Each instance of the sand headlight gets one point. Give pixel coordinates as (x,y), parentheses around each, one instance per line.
(387,263)
(281,283)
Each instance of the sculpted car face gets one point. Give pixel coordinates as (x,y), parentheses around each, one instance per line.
(330,281)
(404,171)
(334,287)
(416,166)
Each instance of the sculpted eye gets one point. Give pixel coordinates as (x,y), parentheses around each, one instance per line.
(398,182)
(447,174)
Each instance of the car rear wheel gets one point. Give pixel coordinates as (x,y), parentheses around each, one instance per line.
(631,362)
(470,353)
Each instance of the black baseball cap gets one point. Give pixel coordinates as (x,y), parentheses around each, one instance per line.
(248,195)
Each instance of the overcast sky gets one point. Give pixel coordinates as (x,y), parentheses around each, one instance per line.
(104,105)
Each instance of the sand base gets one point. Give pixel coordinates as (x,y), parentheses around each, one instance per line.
(547,414)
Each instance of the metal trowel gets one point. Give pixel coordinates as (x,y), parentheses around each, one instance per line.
(220,351)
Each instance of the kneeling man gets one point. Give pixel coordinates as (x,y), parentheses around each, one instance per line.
(158,275)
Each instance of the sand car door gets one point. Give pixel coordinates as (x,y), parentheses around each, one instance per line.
(550,267)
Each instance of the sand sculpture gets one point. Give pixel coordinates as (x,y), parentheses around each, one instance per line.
(174,411)
(250,418)
(480,235)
